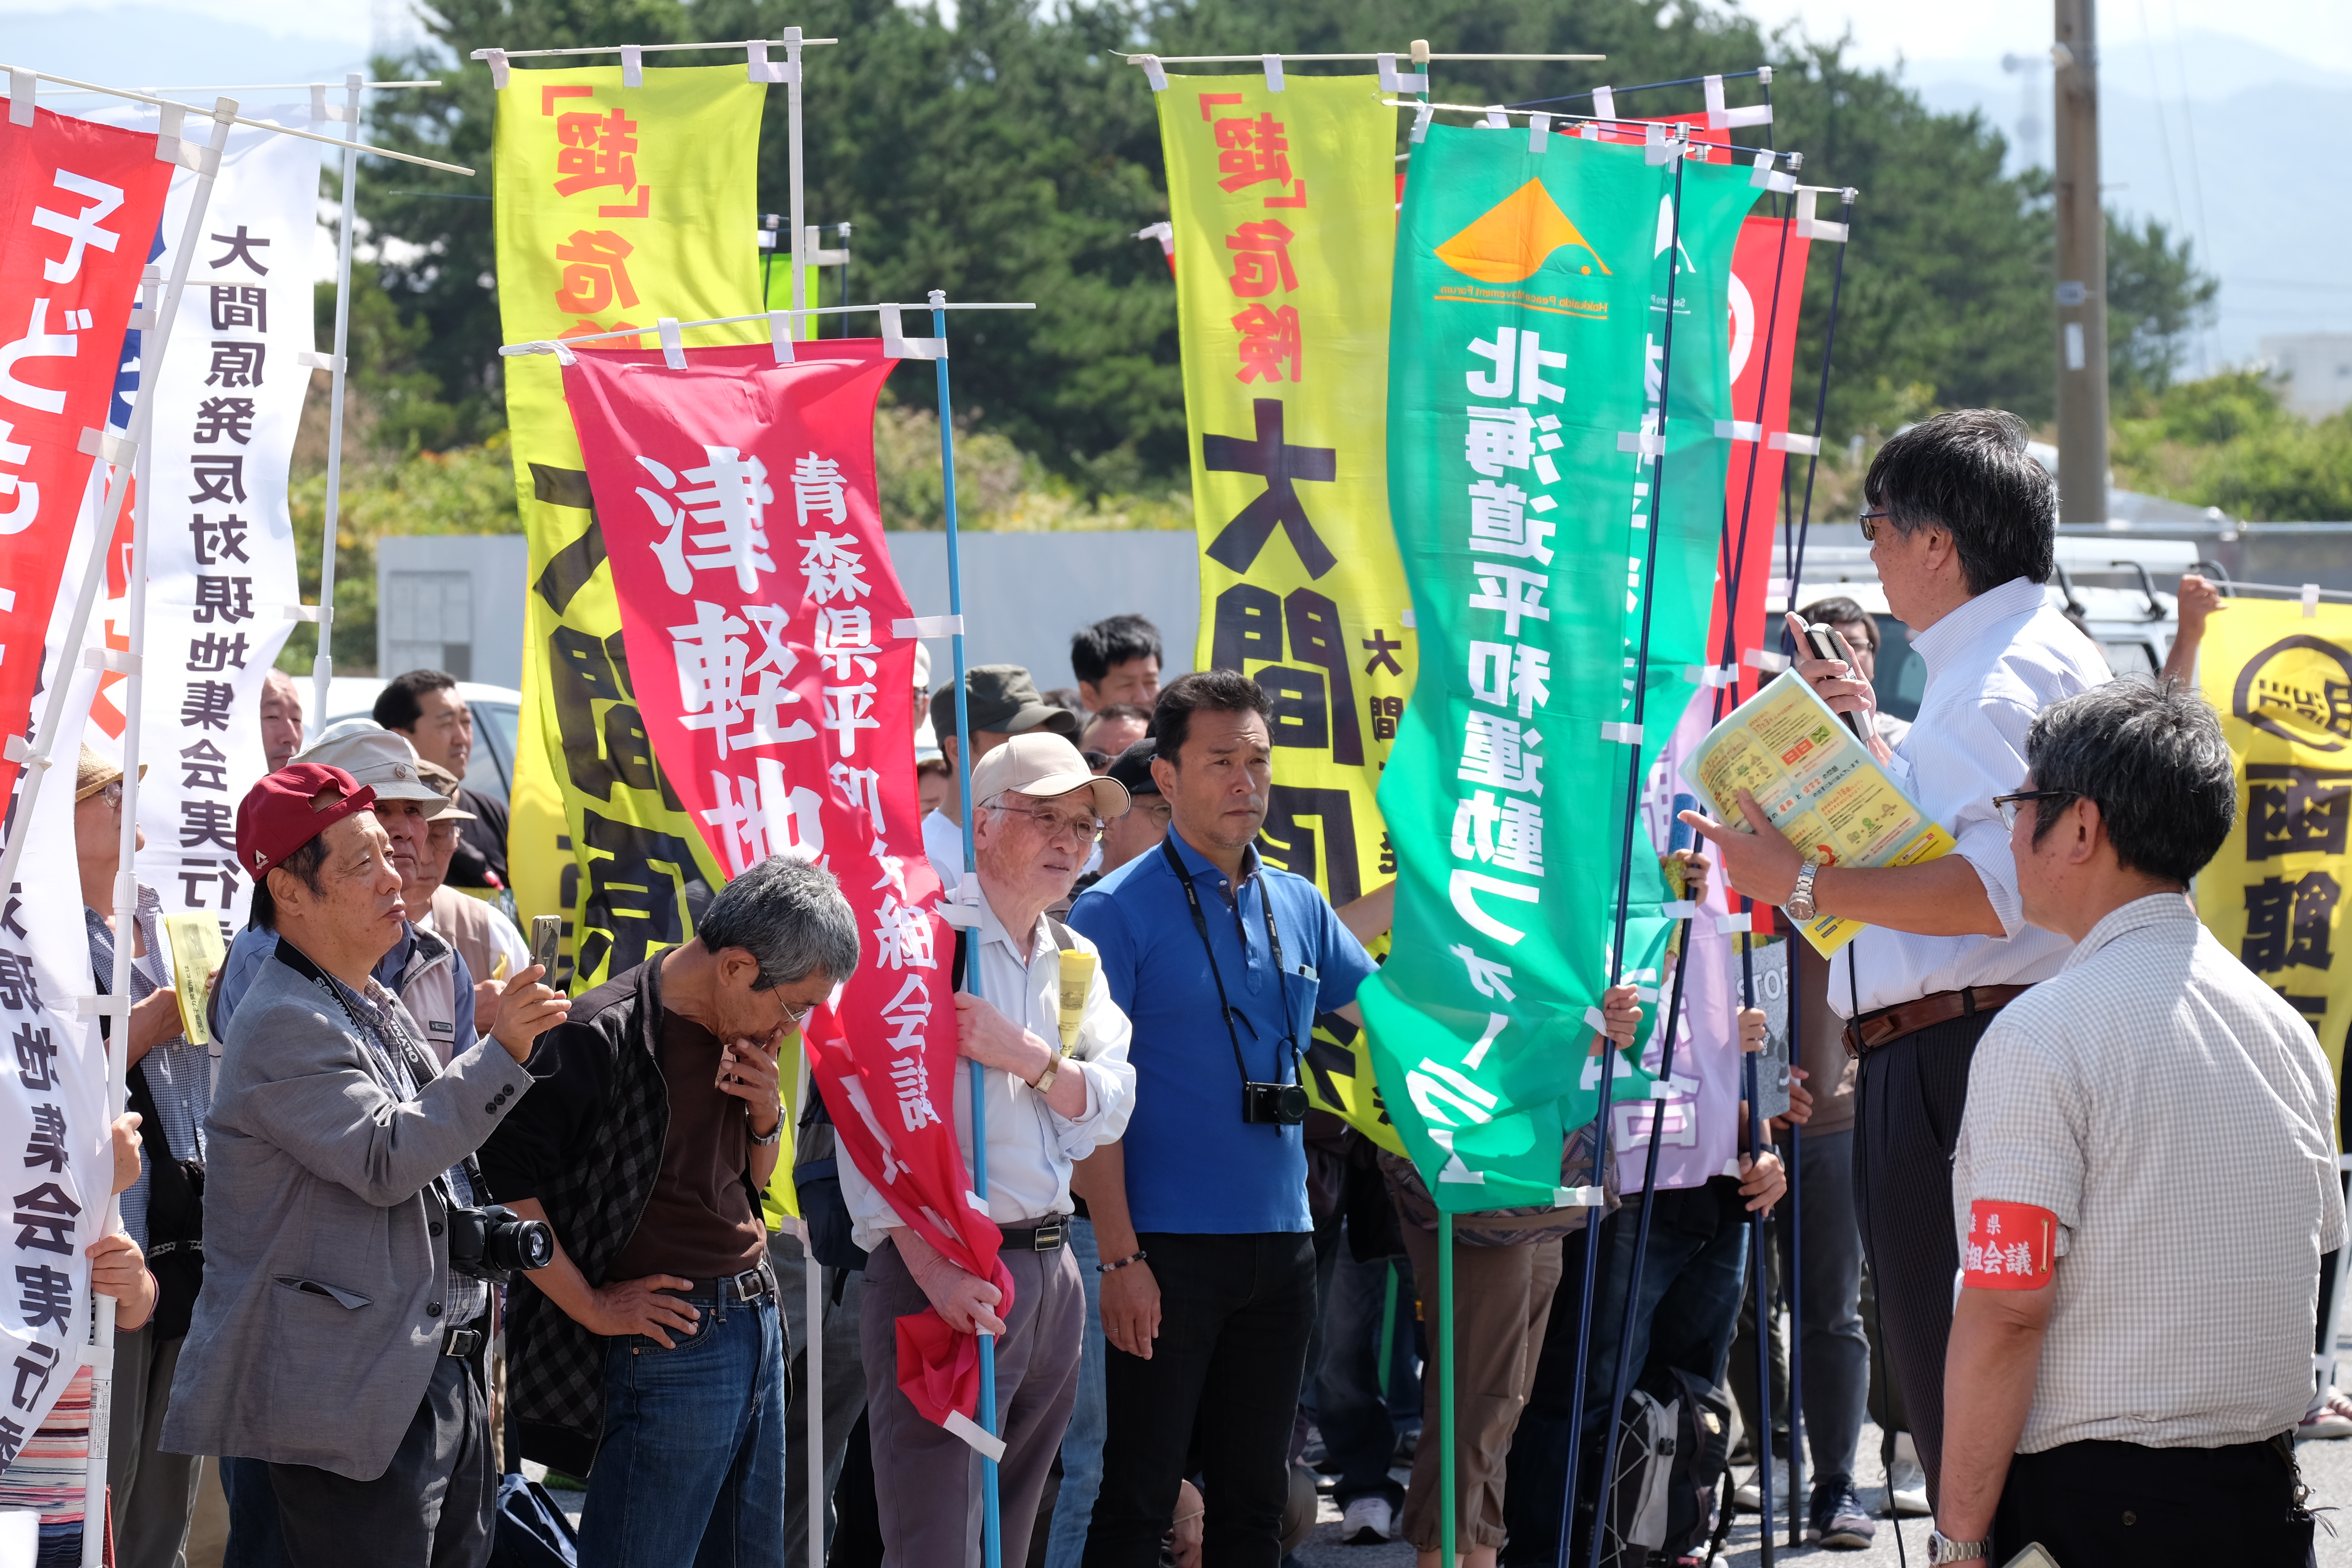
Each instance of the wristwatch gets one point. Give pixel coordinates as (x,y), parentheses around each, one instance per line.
(775,1134)
(1053,1071)
(1800,902)
(1943,1549)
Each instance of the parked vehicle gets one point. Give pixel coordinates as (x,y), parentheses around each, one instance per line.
(496,710)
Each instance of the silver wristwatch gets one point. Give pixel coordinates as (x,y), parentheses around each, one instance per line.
(1941,1548)
(775,1134)
(1800,902)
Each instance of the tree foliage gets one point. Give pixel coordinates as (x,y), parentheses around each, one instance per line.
(1006,153)
(2228,441)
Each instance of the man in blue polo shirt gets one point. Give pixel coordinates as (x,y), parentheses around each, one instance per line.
(1200,1212)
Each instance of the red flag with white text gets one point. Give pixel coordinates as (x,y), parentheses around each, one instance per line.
(760,615)
(79,206)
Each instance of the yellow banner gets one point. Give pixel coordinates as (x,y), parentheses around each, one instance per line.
(616,206)
(1284,205)
(2282,682)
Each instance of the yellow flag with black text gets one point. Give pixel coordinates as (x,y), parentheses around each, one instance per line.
(2282,680)
(616,206)
(1284,207)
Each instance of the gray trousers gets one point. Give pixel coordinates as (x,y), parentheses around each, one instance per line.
(845,1386)
(154,1492)
(433,1505)
(926,1478)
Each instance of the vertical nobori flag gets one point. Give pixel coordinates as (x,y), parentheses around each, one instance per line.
(1283,206)
(1529,331)
(615,205)
(2281,677)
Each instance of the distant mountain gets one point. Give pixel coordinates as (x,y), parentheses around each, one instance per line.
(153,45)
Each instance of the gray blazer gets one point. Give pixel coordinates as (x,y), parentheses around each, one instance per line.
(319,1322)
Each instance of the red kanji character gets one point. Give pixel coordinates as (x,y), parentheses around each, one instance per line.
(593,274)
(1262,259)
(1250,151)
(1269,337)
(597,150)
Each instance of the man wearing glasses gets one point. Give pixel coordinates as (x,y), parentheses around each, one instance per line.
(1052,1095)
(651,1347)
(1962,525)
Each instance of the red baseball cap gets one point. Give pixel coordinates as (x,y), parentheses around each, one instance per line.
(287,809)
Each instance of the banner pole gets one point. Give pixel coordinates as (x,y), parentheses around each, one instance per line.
(1601,1120)
(1763,1436)
(991,1526)
(323,666)
(100,1355)
(1446,1422)
(1821,399)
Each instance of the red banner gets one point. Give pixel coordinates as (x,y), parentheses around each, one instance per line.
(737,504)
(1768,284)
(79,206)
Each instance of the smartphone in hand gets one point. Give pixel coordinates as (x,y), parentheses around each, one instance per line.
(546,938)
(1826,642)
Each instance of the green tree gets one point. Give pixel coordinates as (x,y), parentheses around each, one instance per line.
(2156,298)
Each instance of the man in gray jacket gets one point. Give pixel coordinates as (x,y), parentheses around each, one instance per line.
(333,1338)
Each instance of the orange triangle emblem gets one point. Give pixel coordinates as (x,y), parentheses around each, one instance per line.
(1511,240)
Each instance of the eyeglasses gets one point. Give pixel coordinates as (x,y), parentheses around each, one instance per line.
(1052,825)
(2007,805)
(1868,522)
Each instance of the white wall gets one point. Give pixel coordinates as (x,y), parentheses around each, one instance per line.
(495,565)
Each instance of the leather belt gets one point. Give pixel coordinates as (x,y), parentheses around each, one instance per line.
(1869,1031)
(751,1285)
(1045,1238)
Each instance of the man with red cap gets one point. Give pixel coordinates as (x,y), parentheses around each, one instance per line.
(334,1339)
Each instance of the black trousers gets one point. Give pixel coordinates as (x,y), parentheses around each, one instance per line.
(2094,1504)
(432,1508)
(1220,1392)
(1908,1100)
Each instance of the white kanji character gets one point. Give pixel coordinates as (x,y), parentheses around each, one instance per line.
(730,501)
(1498,752)
(1976,1254)
(763,816)
(774,668)
(2021,1257)
(1498,439)
(844,635)
(1533,361)
(1992,1260)
(905,937)
(1490,978)
(709,654)
(1499,525)
(1531,678)
(1518,838)
(1502,354)
(818,489)
(1992,1224)
(862,788)
(912,1080)
(1516,591)
(848,709)
(81,230)
(38,342)
(891,870)
(835,568)
(1474,826)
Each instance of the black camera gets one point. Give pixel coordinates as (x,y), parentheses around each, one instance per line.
(1275,1104)
(493,1243)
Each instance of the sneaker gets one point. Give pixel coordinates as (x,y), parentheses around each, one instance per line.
(1746,1498)
(1838,1522)
(1314,1453)
(1906,1483)
(1369,1521)
(2330,1417)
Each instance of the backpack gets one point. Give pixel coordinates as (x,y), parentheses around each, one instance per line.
(1673,1450)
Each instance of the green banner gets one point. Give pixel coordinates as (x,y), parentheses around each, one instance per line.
(1528,355)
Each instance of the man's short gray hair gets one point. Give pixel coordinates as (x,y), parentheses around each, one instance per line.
(790,916)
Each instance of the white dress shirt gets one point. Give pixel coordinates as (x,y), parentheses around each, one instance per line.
(943,847)
(2178,1117)
(1031,1146)
(1994,664)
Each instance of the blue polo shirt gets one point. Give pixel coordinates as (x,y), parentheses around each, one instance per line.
(1193,1165)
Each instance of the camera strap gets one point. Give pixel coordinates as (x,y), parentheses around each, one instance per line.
(1273,942)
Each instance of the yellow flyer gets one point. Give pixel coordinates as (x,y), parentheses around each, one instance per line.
(1818,783)
(196,955)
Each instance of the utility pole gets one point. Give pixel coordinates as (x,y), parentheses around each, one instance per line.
(2082,269)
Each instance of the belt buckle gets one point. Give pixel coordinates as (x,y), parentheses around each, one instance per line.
(750,1286)
(1049,1237)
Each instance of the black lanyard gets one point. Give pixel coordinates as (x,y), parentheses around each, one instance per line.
(1272,941)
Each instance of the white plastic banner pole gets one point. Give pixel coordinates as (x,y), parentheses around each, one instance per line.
(322,668)
(126,889)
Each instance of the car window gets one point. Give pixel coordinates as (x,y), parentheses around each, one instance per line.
(490,770)
(2129,656)
(1902,674)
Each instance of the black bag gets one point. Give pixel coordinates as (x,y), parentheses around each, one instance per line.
(1696,1503)
(175,1219)
(530,1531)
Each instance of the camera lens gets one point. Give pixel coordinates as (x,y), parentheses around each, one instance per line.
(1292,1101)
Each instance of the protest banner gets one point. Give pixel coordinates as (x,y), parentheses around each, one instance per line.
(79,204)
(1527,265)
(1282,209)
(2280,675)
(615,205)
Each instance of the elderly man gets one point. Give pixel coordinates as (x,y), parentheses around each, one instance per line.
(1038,812)
(424,705)
(281,718)
(337,1338)
(2079,1413)
(652,1346)
(488,943)
(1000,701)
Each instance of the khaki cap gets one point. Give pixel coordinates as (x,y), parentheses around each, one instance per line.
(385,762)
(1043,764)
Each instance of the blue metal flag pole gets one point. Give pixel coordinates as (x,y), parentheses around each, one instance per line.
(992,1525)
(1763,1434)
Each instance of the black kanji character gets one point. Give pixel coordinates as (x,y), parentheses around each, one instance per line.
(237,364)
(239,304)
(48,1145)
(47,1296)
(208,704)
(45,1218)
(19,987)
(8,921)
(218,539)
(2287,922)
(230,599)
(37,1058)
(11,1439)
(196,880)
(230,417)
(213,653)
(37,1361)
(1281,465)
(206,766)
(218,477)
(241,247)
(637,886)
(204,822)
(2292,810)
(1383,653)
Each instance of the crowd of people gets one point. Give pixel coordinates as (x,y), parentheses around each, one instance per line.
(449,1218)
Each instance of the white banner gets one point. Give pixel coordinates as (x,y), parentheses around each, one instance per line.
(53,1122)
(221,558)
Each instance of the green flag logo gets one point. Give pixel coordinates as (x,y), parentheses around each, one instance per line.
(1514,238)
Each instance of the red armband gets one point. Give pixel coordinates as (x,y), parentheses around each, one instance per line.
(2011,1247)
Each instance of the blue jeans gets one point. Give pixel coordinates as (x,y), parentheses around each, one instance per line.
(1357,1432)
(694,1446)
(1082,1445)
